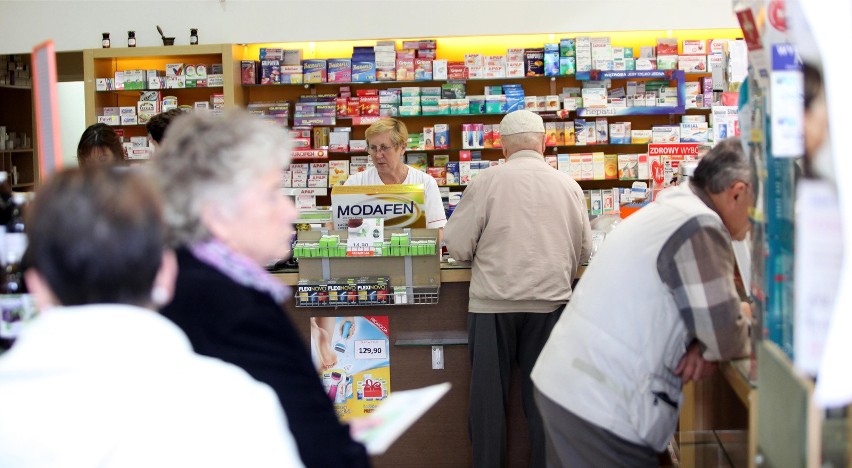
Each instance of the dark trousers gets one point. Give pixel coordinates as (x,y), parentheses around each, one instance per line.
(576,443)
(496,342)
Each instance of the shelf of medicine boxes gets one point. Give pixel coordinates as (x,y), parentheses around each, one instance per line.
(533,86)
(103,63)
(549,149)
(419,274)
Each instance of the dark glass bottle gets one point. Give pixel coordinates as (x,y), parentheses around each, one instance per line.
(131,38)
(193,36)
(16,238)
(15,304)
(105,43)
(11,304)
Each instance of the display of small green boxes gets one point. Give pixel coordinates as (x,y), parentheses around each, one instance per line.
(400,245)
(328,246)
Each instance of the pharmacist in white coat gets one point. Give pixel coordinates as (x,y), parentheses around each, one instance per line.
(386,142)
(100,378)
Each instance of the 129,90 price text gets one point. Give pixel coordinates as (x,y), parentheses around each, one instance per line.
(371,349)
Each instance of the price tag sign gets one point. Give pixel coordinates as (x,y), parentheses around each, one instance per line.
(363,235)
(371,349)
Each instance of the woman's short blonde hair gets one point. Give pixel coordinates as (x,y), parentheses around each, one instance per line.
(213,159)
(398,131)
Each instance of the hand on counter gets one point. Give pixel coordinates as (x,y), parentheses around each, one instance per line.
(693,367)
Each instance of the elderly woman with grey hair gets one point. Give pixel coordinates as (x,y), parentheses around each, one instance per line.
(227,217)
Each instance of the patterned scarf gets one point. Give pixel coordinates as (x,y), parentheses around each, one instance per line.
(240,269)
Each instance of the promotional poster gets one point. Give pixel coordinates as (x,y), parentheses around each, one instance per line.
(352,357)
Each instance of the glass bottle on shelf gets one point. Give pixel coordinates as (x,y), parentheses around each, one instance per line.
(16,306)
(16,238)
(105,43)
(193,36)
(131,38)
(11,302)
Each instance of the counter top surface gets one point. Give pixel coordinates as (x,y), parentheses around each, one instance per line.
(450,273)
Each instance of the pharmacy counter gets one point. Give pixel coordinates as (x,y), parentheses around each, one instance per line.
(449,274)
(441,436)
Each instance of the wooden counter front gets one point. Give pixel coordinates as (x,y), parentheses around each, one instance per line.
(440,437)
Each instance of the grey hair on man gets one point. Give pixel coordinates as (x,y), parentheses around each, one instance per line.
(723,165)
(209,158)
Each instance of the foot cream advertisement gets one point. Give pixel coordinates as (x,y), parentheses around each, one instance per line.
(352,357)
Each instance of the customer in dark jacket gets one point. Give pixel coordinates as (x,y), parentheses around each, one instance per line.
(227,217)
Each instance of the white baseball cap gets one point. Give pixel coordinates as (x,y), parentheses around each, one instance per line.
(521,121)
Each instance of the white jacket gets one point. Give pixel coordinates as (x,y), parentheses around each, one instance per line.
(115,385)
(611,357)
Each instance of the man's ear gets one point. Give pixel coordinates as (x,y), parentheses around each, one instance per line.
(40,290)
(738,190)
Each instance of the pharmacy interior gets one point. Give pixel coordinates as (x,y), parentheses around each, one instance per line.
(626,114)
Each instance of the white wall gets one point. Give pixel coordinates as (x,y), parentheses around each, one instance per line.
(72,119)
(76,25)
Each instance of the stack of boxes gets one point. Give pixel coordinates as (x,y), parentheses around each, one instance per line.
(306,175)
(15,71)
(175,76)
(278,111)
(386,60)
(363,64)
(315,109)
(276,66)
(152,103)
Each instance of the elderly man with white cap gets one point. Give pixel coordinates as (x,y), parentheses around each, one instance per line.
(524,228)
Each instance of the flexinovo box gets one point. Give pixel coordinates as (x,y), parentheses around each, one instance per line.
(373,290)
(311,292)
(342,291)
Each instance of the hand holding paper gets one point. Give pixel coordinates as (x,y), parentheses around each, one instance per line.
(394,416)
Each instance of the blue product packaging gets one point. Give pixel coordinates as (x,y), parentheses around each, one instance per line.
(363,72)
(551,63)
(514,97)
(452,173)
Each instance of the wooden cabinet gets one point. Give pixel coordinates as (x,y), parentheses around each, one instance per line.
(18,153)
(104,63)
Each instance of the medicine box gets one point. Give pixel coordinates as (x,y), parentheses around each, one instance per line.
(640,136)
(694,132)
(373,290)
(665,134)
(342,291)
(311,292)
